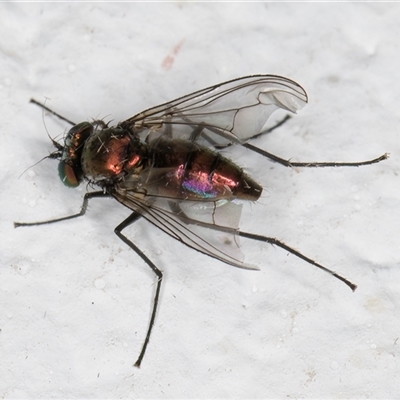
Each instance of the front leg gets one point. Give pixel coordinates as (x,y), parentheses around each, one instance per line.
(85,203)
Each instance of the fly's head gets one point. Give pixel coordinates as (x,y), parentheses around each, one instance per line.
(70,155)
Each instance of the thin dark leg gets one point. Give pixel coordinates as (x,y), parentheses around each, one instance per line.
(212,142)
(288,163)
(130,220)
(284,246)
(277,125)
(51,111)
(86,199)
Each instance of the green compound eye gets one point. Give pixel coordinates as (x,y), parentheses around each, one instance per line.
(67,175)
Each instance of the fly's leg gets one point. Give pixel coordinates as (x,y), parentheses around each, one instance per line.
(288,163)
(85,203)
(130,220)
(272,128)
(51,111)
(284,246)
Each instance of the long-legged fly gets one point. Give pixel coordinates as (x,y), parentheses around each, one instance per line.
(165,165)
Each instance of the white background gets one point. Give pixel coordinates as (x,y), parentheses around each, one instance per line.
(75,300)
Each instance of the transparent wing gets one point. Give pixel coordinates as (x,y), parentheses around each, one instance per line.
(230,112)
(208,227)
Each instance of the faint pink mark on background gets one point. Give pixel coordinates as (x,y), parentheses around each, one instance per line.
(169,60)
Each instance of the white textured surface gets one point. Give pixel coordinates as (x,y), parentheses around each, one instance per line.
(75,301)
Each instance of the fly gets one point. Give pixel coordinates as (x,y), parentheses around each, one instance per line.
(164,165)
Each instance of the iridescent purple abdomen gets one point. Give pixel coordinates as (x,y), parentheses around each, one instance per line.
(186,170)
